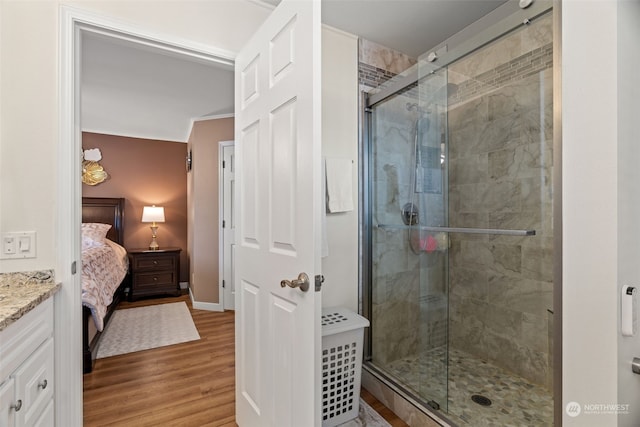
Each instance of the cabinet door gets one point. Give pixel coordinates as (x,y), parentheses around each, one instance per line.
(7,414)
(47,418)
(34,384)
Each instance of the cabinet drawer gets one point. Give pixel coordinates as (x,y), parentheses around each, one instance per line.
(153,279)
(21,338)
(156,262)
(34,384)
(7,415)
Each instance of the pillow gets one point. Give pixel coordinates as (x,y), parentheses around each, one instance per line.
(88,243)
(93,234)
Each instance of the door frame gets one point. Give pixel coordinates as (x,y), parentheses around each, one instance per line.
(221,146)
(68,308)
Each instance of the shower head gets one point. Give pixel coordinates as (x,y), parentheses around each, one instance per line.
(412,106)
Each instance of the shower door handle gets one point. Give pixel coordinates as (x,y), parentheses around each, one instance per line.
(302,282)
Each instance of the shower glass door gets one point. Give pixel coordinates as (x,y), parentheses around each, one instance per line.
(409,300)
(460,208)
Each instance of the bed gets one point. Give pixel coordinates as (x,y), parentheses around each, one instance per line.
(103,285)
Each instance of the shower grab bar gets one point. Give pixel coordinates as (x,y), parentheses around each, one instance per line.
(461,230)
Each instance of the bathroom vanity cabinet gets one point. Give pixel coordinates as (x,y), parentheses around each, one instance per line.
(27,369)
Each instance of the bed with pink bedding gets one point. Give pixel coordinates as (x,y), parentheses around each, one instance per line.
(104,269)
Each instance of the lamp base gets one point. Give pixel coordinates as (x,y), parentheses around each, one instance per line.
(153,246)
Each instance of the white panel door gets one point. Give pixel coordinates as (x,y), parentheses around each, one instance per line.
(228,225)
(278,340)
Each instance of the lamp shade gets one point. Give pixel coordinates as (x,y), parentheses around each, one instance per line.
(153,214)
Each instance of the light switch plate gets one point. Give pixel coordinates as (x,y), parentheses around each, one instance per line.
(15,245)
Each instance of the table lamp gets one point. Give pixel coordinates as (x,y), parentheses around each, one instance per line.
(153,214)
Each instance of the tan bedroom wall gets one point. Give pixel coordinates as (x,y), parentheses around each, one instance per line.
(202,189)
(145,172)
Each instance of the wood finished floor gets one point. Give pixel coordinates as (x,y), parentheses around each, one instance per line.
(190,384)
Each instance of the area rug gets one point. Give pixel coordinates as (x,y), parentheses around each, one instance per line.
(142,328)
(367,417)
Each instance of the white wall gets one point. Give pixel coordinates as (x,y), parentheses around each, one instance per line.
(29,126)
(340,140)
(589,208)
(601,205)
(628,195)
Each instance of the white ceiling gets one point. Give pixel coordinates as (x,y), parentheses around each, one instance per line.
(140,92)
(409,26)
(133,90)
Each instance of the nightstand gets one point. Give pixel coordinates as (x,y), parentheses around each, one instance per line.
(154,273)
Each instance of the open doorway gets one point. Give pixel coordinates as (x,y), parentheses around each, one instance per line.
(145,160)
(139,108)
(77,24)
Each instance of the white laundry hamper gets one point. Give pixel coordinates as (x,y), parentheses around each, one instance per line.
(342,345)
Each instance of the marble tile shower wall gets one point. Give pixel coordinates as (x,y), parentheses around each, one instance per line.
(408,296)
(396,270)
(378,64)
(500,176)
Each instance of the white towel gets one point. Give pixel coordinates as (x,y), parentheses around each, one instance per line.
(339,185)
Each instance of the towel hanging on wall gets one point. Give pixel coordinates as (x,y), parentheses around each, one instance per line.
(339,185)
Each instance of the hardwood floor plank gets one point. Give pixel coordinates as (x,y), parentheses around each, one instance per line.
(384,412)
(189,384)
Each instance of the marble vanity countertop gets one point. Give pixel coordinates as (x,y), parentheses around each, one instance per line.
(18,297)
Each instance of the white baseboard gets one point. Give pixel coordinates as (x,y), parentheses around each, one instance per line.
(209,306)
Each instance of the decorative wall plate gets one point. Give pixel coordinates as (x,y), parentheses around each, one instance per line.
(93,173)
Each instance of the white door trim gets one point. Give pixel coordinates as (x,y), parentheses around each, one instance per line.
(68,312)
(208,306)
(221,254)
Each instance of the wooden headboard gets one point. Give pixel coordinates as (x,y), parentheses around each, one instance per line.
(106,211)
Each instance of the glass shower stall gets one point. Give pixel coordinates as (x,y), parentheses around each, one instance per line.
(458,230)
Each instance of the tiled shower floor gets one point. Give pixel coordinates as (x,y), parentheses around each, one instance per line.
(515,402)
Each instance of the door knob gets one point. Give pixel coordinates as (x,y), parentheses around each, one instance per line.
(302,282)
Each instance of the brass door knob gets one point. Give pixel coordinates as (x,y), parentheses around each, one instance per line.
(302,282)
